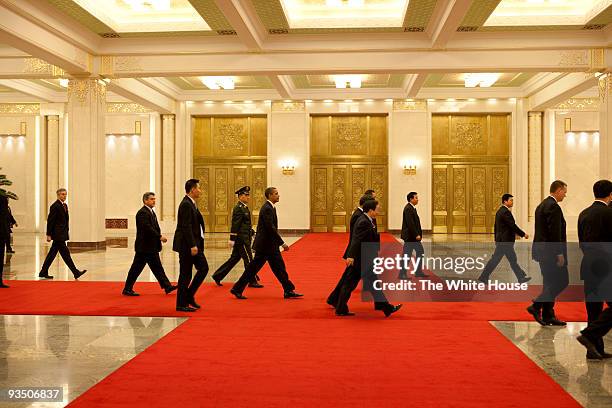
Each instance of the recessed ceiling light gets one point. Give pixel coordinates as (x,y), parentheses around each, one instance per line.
(248,101)
(492,99)
(431,100)
(353,81)
(228,102)
(348,100)
(471,100)
(368,100)
(328,101)
(218,82)
(307,100)
(388,100)
(208,102)
(484,80)
(287,100)
(450,99)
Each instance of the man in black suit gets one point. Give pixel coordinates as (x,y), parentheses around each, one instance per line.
(57,231)
(412,234)
(595,237)
(332,299)
(147,246)
(4,234)
(505,231)
(360,263)
(550,251)
(11,223)
(266,246)
(241,235)
(189,243)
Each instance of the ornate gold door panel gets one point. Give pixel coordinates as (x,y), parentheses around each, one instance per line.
(229,152)
(470,171)
(349,156)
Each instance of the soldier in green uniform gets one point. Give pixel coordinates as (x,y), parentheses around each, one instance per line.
(241,235)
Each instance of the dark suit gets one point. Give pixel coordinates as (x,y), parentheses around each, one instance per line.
(11,223)
(595,237)
(505,230)
(241,235)
(411,229)
(332,299)
(189,233)
(364,232)
(147,246)
(549,241)
(4,231)
(57,228)
(266,246)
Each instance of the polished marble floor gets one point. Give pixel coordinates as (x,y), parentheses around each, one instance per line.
(72,352)
(558,353)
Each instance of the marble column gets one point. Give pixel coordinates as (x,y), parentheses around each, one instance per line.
(534,162)
(52,158)
(168,191)
(86,158)
(605,126)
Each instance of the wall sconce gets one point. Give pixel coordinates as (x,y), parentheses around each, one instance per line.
(23,128)
(568,124)
(410,168)
(288,167)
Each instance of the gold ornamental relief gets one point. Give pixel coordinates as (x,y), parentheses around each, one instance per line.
(339,187)
(125,108)
(320,187)
(288,107)
(204,177)
(468,136)
(459,187)
(440,189)
(579,104)
(597,60)
(573,58)
(378,183)
(126,63)
(358,184)
(221,189)
(418,105)
(22,108)
(348,135)
(479,188)
(82,88)
(38,66)
(231,136)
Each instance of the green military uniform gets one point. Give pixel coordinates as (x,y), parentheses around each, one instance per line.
(241,234)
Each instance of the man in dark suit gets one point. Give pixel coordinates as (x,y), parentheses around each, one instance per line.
(550,251)
(412,234)
(147,246)
(241,235)
(57,231)
(332,299)
(360,263)
(505,231)
(595,237)
(11,223)
(4,234)
(189,243)
(266,246)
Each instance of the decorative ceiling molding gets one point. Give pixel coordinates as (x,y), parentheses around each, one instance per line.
(579,104)
(126,108)
(20,108)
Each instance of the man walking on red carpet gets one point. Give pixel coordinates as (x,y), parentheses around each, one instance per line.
(266,247)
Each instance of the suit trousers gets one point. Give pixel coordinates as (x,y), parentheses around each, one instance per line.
(596,330)
(555,280)
(58,246)
(2,245)
(241,250)
(409,248)
(187,288)
(277,264)
(502,249)
(332,299)
(353,276)
(146,258)
(8,243)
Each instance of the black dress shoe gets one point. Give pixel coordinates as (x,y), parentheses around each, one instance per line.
(194,304)
(217,281)
(255,285)
(237,294)
(45,276)
(524,279)
(4,286)
(590,346)
(170,289)
(390,310)
(536,315)
(330,303)
(129,293)
(601,355)
(605,355)
(185,309)
(345,314)
(10,251)
(554,322)
(78,274)
(292,294)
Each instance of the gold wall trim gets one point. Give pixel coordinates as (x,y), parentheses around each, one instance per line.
(350,159)
(574,57)
(38,66)
(228,160)
(470,159)
(21,108)
(288,106)
(579,104)
(126,108)
(418,105)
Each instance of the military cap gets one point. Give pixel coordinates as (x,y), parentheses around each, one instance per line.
(243,190)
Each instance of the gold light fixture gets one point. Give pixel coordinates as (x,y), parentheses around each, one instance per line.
(288,167)
(410,168)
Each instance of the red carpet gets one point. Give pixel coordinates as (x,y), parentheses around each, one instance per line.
(267,351)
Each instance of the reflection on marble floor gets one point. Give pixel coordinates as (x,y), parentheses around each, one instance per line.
(113,263)
(73,352)
(558,353)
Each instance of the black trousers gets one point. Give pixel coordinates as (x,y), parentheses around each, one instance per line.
(277,264)
(241,250)
(409,248)
(555,280)
(187,287)
(146,258)
(502,249)
(332,299)
(8,243)
(2,245)
(349,284)
(596,330)
(58,246)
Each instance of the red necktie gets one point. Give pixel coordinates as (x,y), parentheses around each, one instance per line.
(65,207)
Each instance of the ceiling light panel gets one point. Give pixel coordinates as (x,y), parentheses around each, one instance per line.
(545,12)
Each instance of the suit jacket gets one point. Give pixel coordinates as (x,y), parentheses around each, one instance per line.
(4,220)
(57,222)
(364,232)
(242,227)
(267,240)
(188,223)
(550,238)
(11,220)
(148,233)
(411,224)
(357,214)
(595,237)
(505,227)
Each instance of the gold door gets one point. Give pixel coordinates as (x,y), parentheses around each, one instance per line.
(229,152)
(349,156)
(470,171)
